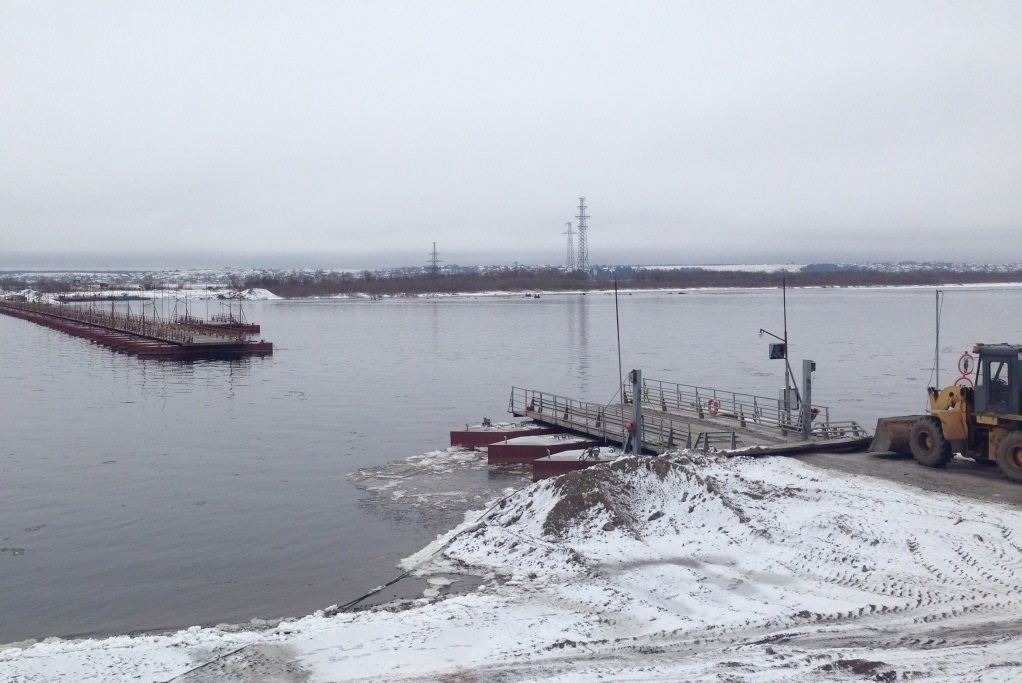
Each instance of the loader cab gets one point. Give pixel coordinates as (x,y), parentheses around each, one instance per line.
(999,379)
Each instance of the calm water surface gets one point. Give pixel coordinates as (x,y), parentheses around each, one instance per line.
(138,495)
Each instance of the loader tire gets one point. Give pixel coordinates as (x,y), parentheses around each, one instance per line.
(1009,456)
(929,447)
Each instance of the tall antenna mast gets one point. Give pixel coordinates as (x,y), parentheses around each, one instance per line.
(583,240)
(571,247)
(434,261)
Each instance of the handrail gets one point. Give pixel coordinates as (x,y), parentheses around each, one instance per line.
(141,326)
(660,432)
(665,429)
(710,403)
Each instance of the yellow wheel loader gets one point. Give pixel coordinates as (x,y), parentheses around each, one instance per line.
(982,422)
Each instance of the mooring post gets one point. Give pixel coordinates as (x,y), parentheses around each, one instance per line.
(808,367)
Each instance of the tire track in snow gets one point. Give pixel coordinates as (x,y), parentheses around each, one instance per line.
(870,571)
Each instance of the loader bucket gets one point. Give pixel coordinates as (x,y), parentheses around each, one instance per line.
(892,434)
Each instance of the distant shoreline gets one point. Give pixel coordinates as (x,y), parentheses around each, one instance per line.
(507,282)
(543,282)
(539,294)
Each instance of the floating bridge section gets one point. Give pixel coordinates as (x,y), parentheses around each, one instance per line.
(141,336)
(219,323)
(685,416)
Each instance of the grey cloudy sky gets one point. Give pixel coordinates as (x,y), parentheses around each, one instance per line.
(355,134)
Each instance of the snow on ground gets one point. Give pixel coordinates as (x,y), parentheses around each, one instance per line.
(681,567)
(737,268)
(591,453)
(546,440)
(251,294)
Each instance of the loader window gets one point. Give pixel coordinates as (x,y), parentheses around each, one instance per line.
(997,385)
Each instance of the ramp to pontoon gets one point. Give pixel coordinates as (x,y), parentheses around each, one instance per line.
(684,416)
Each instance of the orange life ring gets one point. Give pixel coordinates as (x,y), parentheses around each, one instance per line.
(713,405)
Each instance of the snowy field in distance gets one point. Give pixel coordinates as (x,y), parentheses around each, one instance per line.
(250,294)
(737,268)
(682,567)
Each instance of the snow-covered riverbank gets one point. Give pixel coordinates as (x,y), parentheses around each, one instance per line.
(250,294)
(683,567)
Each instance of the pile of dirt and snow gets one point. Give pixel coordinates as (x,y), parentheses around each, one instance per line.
(680,567)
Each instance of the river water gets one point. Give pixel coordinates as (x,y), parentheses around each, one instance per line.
(143,495)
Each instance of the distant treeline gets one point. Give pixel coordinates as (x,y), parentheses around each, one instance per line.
(551,279)
(305,284)
(805,278)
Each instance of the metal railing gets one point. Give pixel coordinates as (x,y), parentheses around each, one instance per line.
(838,430)
(660,432)
(750,411)
(138,325)
(668,411)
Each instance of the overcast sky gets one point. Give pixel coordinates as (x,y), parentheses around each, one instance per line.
(355,134)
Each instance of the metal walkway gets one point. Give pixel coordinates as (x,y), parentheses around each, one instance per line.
(138,335)
(684,416)
(731,410)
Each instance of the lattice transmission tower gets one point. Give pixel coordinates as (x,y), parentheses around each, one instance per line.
(434,261)
(583,240)
(571,246)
